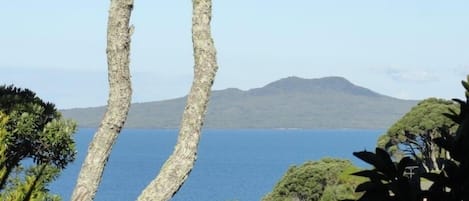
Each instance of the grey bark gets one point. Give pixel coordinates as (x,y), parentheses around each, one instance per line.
(435,154)
(120,92)
(178,166)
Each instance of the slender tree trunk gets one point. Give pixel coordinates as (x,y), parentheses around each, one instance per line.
(118,50)
(435,155)
(425,166)
(178,166)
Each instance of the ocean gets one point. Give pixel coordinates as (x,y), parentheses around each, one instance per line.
(241,165)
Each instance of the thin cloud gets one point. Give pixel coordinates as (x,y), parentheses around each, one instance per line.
(461,70)
(412,75)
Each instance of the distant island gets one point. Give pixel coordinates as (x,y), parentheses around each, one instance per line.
(293,102)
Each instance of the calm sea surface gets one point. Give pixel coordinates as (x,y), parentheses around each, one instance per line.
(232,165)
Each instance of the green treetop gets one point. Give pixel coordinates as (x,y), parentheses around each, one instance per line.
(414,133)
(31,129)
(324,180)
(392,181)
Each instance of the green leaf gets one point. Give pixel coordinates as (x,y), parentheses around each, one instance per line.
(465,85)
(372,174)
(436,178)
(369,186)
(385,163)
(403,163)
(375,195)
(445,143)
(368,157)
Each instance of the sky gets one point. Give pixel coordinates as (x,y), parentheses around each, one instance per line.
(409,49)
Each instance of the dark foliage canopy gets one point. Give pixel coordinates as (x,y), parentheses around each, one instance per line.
(35,129)
(388,181)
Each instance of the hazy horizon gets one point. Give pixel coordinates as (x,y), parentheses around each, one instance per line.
(403,49)
(244,90)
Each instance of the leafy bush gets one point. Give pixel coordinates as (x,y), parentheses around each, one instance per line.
(325,180)
(31,129)
(413,135)
(388,182)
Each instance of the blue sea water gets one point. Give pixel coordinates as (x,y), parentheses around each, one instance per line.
(240,165)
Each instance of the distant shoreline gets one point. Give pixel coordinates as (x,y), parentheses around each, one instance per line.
(255,129)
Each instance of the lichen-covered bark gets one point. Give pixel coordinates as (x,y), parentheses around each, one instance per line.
(177,168)
(118,50)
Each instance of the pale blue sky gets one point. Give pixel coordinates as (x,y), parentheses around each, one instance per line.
(402,48)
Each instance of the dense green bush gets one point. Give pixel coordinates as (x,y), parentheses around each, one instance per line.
(413,135)
(388,181)
(34,130)
(324,180)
